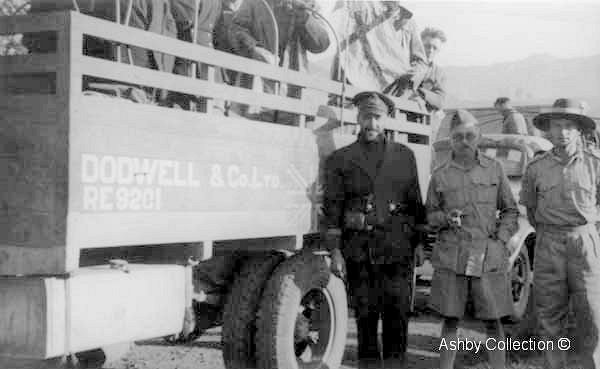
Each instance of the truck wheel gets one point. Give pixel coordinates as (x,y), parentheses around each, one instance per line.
(303,316)
(521,279)
(239,314)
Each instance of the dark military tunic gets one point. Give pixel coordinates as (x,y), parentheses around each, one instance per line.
(378,260)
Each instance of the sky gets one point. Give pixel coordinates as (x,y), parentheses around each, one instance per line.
(487,32)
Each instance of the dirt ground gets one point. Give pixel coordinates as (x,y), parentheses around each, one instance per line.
(424,332)
(205,353)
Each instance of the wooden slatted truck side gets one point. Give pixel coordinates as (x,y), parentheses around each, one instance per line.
(87,179)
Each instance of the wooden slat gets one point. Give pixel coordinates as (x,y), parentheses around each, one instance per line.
(31,63)
(52,21)
(399,124)
(133,36)
(147,77)
(410,127)
(401,104)
(115,32)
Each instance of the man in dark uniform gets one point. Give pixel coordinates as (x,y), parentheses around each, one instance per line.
(372,202)
(560,192)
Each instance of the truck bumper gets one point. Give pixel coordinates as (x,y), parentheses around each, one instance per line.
(44,317)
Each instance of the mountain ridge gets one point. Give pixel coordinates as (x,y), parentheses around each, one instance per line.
(537,79)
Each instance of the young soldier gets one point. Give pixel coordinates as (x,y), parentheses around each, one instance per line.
(470,258)
(433,89)
(371,203)
(560,190)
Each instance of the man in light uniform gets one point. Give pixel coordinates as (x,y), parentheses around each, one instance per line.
(560,190)
(470,257)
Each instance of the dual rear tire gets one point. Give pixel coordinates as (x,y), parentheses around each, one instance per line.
(285,314)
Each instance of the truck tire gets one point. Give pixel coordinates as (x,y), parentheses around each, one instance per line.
(303,316)
(239,314)
(521,281)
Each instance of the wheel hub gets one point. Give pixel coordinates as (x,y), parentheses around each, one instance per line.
(313,329)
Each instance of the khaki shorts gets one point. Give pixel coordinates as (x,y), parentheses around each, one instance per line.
(491,294)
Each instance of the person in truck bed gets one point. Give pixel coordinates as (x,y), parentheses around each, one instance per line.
(149,15)
(184,12)
(252,35)
(433,87)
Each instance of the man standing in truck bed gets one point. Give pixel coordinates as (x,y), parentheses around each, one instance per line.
(300,31)
(372,201)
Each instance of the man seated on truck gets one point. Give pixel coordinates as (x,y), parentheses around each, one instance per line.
(253,36)
(414,54)
(433,87)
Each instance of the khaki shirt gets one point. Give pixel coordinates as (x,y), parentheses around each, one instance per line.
(562,194)
(479,192)
(433,87)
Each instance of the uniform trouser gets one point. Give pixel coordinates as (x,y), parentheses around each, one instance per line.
(567,266)
(380,291)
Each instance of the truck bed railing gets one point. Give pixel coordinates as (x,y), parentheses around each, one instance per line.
(64,192)
(70,65)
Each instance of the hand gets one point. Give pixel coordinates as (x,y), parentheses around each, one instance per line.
(399,86)
(338,266)
(419,255)
(264,55)
(454,218)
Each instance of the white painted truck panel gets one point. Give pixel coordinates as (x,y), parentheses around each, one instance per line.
(44,317)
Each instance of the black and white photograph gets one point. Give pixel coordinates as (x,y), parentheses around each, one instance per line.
(299,184)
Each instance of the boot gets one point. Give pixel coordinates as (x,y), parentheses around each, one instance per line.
(395,334)
(367,336)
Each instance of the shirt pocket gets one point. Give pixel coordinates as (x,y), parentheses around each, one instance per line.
(551,191)
(445,251)
(583,192)
(485,190)
(453,195)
